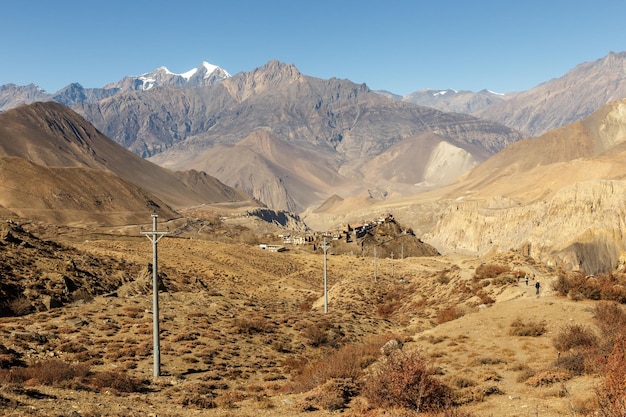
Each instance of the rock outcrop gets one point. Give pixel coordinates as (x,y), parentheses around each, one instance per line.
(581,227)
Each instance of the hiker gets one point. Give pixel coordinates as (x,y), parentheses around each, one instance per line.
(526,279)
(537,286)
(517,276)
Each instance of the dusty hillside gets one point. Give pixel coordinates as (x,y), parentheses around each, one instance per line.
(243,332)
(74,195)
(52,135)
(277,173)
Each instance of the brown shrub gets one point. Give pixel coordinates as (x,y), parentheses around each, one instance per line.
(448,314)
(532,328)
(610,318)
(198,395)
(251,325)
(20,306)
(575,336)
(573,363)
(118,381)
(49,372)
(333,395)
(346,363)
(443,277)
(229,399)
(184,337)
(600,287)
(526,373)
(321,333)
(53,371)
(484,298)
(504,279)
(548,377)
(612,392)
(406,380)
(489,271)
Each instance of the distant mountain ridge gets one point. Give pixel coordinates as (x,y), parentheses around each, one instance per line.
(549,105)
(563,100)
(368,139)
(449,100)
(343,125)
(205,74)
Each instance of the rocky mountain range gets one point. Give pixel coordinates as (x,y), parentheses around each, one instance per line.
(342,126)
(73,94)
(175,118)
(549,105)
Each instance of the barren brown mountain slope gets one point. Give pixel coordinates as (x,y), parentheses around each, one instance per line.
(52,135)
(278,173)
(243,331)
(74,195)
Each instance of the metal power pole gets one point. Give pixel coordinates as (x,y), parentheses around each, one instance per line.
(391,264)
(325,247)
(154,235)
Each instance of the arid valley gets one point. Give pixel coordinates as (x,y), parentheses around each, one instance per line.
(243,330)
(324,249)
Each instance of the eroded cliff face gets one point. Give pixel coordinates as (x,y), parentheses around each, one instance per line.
(581,227)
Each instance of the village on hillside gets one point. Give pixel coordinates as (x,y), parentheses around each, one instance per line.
(380,237)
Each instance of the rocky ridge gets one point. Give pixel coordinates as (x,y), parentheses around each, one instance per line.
(563,100)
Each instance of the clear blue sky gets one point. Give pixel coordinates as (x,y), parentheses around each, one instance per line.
(399,46)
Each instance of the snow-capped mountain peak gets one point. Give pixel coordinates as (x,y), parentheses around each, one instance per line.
(204,75)
(187,75)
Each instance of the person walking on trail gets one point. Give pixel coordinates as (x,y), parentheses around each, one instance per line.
(537,286)
(526,279)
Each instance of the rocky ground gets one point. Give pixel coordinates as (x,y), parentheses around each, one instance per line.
(243,331)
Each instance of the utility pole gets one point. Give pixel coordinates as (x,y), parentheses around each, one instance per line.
(391,264)
(325,247)
(154,235)
(375,264)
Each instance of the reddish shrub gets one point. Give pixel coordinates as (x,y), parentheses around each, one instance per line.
(489,271)
(406,380)
(575,336)
(612,394)
(447,314)
(118,381)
